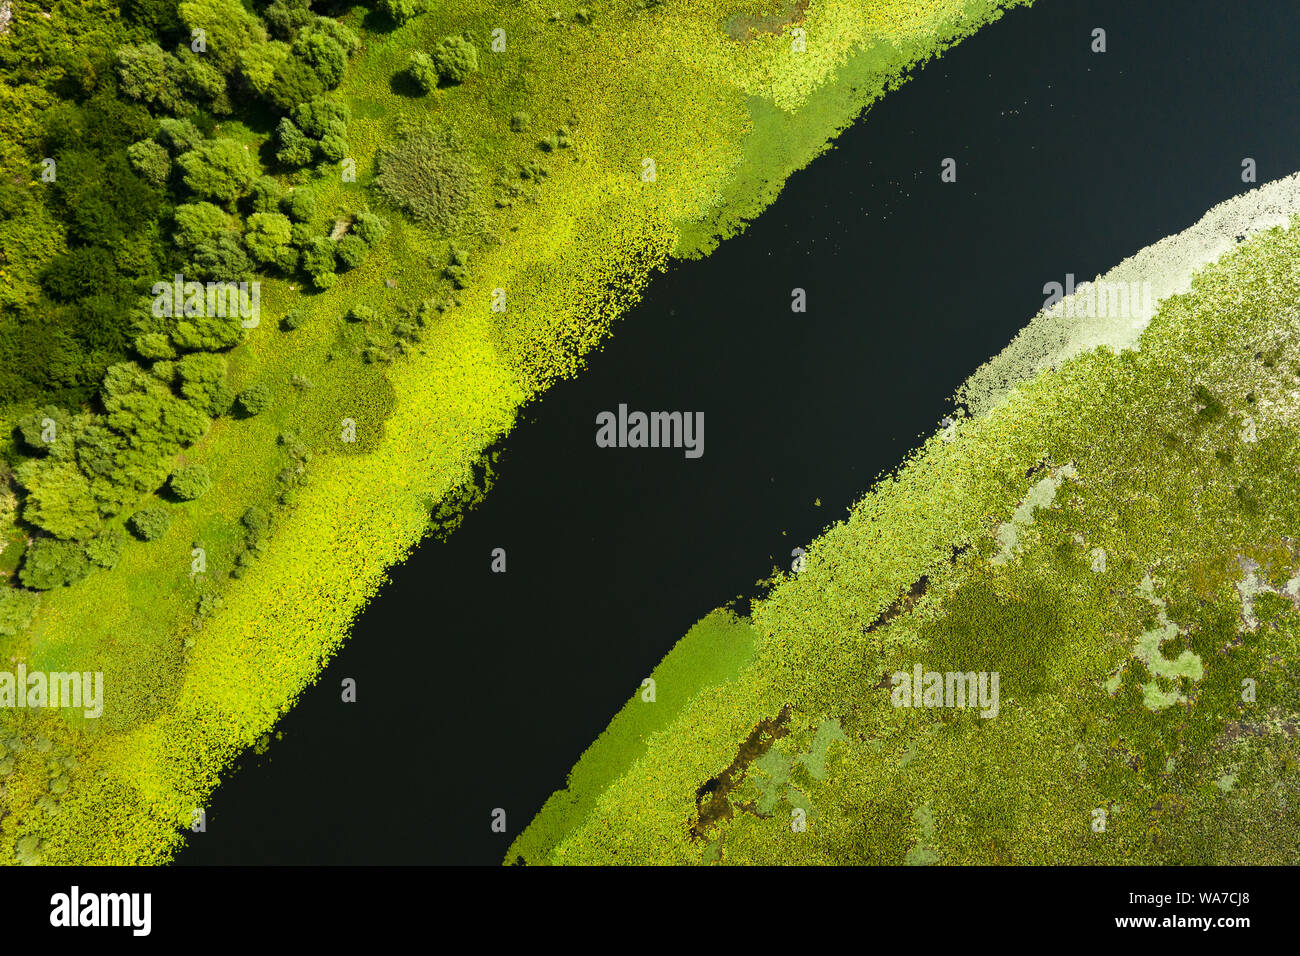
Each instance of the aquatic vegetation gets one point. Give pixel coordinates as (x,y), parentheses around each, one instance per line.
(1140,623)
(198,665)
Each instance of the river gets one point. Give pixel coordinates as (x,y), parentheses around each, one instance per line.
(478,690)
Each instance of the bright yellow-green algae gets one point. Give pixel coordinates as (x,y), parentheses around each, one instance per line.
(726,112)
(1189,757)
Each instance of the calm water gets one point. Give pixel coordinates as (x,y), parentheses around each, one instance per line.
(479,690)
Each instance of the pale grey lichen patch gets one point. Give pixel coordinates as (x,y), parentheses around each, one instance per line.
(1041,495)
(1165,268)
(1251,585)
(1146,649)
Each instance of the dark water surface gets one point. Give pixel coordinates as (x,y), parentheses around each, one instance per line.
(479,690)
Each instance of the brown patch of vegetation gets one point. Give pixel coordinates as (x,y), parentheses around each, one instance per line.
(712,804)
(744,27)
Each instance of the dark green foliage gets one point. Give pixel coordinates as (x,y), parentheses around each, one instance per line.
(321,115)
(222,261)
(519,122)
(294,82)
(296,148)
(152,76)
(204,82)
(422,71)
(48,430)
(151,522)
(318,258)
(323,53)
(178,135)
(426,174)
(220,169)
(315,129)
(294,319)
(455,58)
(284,18)
(399,11)
(157,16)
(266,194)
(51,563)
(302,205)
(99,451)
(256,521)
(369,228)
(255,399)
(351,251)
(190,482)
(361,313)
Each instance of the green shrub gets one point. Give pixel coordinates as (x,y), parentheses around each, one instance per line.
(266,194)
(199,224)
(320,116)
(369,228)
(399,11)
(423,72)
(221,169)
(455,58)
(256,521)
(151,522)
(154,346)
(51,563)
(293,319)
(203,382)
(323,53)
(302,205)
(150,160)
(16,610)
(426,174)
(106,548)
(519,122)
(178,135)
(361,313)
(318,258)
(269,240)
(231,29)
(150,75)
(59,498)
(48,430)
(256,398)
(351,251)
(190,482)
(296,148)
(294,82)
